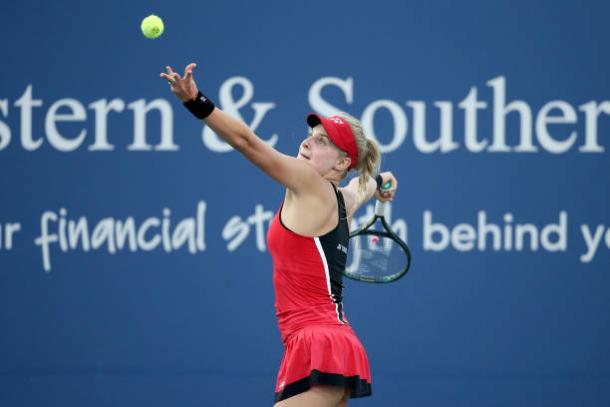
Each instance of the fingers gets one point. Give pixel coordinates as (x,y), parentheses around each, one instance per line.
(168,78)
(392,190)
(188,71)
(384,196)
(172,76)
(388,195)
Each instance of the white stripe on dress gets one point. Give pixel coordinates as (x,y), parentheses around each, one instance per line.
(327,273)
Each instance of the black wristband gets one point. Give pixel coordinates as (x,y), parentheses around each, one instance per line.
(378,180)
(201,107)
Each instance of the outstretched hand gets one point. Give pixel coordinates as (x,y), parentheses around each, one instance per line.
(385,195)
(183,87)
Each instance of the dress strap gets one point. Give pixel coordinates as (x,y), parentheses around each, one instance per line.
(341,203)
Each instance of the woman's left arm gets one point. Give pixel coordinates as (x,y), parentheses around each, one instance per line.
(356,197)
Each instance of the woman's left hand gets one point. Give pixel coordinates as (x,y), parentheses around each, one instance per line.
(385,195)
(183,87)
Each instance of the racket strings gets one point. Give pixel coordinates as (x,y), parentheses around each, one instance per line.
(375,256)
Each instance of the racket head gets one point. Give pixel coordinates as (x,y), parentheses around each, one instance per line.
(376,254)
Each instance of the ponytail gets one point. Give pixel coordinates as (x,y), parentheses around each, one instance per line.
(369,155)
(368,164)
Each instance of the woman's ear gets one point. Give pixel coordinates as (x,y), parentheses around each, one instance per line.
(342,164)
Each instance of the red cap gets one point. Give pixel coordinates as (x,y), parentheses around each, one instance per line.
(339,132)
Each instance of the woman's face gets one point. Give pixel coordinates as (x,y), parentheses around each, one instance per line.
(318,151)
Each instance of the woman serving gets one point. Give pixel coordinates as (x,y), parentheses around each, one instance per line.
(324,363)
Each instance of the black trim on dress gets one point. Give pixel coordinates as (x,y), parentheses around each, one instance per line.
(358,387)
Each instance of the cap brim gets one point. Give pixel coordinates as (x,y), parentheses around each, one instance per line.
(313,120)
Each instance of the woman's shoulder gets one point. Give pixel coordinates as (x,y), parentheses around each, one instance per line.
(311,214)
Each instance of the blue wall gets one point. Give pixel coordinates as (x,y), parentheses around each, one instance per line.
(490,113)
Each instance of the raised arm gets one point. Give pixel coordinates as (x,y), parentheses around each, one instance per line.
(288,171)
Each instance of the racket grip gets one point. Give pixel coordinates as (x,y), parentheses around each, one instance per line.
(380,208)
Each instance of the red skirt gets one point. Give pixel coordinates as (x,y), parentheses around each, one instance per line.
(326,355)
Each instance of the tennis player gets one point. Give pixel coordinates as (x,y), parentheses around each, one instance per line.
(324,363)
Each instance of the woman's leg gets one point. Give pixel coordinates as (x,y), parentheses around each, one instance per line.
(343,402)
(318,396)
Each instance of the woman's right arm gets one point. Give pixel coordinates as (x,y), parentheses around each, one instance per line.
(294,174)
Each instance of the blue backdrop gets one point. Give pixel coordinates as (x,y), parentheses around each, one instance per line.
(133,269)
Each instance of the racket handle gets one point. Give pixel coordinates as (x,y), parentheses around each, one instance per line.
(380,208)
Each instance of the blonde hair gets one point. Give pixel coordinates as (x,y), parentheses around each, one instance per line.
(369,156)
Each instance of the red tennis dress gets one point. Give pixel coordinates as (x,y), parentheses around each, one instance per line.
(320,346)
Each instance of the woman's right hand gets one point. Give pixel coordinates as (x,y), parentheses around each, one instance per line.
(387,195)
(183,87)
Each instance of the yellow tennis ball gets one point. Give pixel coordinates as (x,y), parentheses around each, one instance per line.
(152,26)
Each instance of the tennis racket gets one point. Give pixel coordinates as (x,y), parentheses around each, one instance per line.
(376,254)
